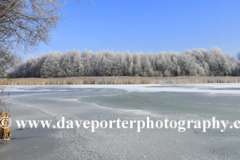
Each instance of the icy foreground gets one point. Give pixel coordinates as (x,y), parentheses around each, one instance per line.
(104,102)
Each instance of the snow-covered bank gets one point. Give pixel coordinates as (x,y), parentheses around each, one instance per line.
(228,88)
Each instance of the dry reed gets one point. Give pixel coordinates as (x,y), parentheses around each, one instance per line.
(118,80)
(5,132)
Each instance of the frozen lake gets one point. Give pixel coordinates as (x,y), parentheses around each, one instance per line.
(106,102)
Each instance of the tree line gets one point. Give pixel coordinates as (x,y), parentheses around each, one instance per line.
(199,62)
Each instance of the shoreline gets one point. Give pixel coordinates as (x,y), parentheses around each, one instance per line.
(114,80)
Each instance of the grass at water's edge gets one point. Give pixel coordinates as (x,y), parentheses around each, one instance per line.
(118,80)
(5,128)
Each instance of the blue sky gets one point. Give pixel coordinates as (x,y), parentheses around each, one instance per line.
(147,26)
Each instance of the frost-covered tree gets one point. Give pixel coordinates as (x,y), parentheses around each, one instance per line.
(86,57)
(199,62)
(137,69)
(77,65)
(128,64)
(107,62)
(51,66)
(238,55)
(147,70)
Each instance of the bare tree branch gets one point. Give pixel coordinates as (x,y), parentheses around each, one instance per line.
(26,23)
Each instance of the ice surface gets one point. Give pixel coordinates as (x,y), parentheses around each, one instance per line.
(200,88)
(106,102)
